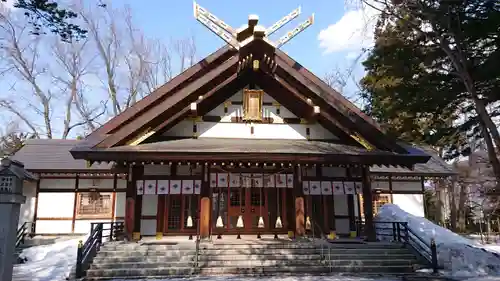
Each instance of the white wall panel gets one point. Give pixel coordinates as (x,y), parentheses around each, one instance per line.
(95,183)
(407,186)
(53,227)
(83,226)
(121,184)
(411,203)
(225,129)
(148,227)
(382,185)
(149,205)
(342,226)
(57,184)
(27,211)
(120,204)
(163,170)
(55,204)
(340,205)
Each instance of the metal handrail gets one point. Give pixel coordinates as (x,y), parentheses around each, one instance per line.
(401,232)
(22,232)
(327,245)
(88,250)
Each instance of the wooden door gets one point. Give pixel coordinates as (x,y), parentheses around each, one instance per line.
(257,207)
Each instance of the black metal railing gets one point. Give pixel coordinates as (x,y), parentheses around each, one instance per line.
(400,232)
(27,229)
(88,250)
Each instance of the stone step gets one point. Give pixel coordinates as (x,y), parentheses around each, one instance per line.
(255,263)
(185,271)
(117,259)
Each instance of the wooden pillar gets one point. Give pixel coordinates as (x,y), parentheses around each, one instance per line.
(133,207)
(205,206)
(37,192)
(368,205)
(299,204)
(77,179)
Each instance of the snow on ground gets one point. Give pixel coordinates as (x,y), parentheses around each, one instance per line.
(48,262)
(459,256)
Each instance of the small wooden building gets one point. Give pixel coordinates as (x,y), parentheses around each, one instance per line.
(245,141)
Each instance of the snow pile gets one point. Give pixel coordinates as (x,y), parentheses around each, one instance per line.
(459,256)
(48,262)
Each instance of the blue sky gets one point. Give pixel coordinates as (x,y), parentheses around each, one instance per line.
(166,19)
(338,34)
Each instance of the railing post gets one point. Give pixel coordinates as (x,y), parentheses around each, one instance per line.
(79,256)
(91,227)
(434,256)
(407,234)
(398,230)
(99,235)
(394,231)
(111,231)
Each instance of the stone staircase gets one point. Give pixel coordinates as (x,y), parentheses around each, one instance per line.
(123,260)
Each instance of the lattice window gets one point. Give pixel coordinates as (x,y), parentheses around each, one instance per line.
(256,198)
(237,197)
(252,105)
(94,204)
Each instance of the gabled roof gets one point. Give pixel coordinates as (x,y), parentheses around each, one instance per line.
(213,76)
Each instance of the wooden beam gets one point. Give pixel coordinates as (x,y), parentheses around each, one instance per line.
(282,91)
(333,97)
(184,113)
(328,99)
(179,81)
(75,204)
(174,101)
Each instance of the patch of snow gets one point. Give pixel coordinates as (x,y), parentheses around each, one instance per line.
(459,256)
(48,262)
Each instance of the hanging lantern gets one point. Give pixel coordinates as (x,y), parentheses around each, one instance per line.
(219,222)
(189,222)
(260,224)
(308,223)
(239,223)
(278,223)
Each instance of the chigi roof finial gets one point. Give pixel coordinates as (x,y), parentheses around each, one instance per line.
(250,31)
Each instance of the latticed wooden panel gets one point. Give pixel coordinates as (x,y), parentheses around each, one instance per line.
(94,204)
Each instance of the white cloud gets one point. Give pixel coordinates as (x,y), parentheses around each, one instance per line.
(352,32)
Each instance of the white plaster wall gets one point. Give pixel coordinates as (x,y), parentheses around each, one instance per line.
(95,183)
(382,185)
(159,169)
(53,227)
(57,183)
(149,208)
(342,226)
(55,204)
(407,186)
(148,227)
(226,129)
(149,204)
(120,204)
(121,184)
(411,203)
(83,226)
(27,210)
(340,205)
(356,205)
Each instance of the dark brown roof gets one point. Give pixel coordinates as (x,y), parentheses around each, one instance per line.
(52,154)
(253,150)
